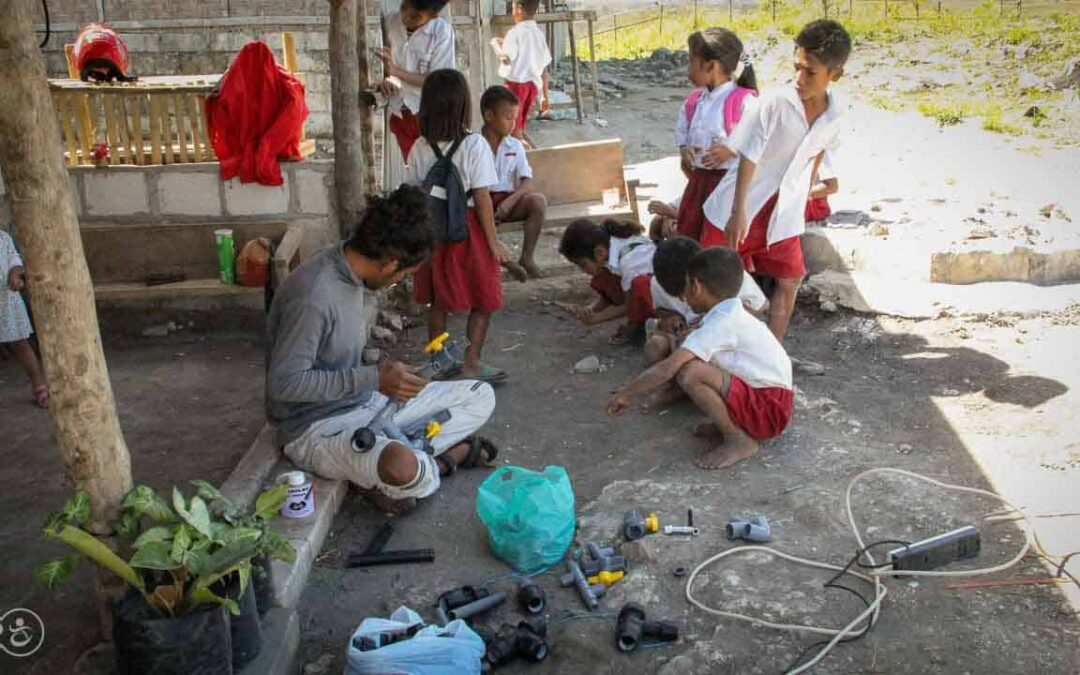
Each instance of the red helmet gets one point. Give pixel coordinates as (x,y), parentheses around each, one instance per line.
(101,55)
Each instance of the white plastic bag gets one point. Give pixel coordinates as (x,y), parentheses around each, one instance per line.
(451,650)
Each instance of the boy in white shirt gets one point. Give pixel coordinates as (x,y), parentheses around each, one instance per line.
(759,209)
(513,197)
(732,367)
(525,57)
(420,42)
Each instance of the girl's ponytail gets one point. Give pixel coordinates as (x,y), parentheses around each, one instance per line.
(622,229)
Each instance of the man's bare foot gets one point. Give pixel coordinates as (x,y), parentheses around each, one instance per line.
(730,452)
(531,268)
(707,430)
(516,271)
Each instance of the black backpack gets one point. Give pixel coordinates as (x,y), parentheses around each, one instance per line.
(448,201)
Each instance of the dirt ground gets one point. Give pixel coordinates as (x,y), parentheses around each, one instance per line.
(976,400)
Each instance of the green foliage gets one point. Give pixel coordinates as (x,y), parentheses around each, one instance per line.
(143,501)
(54,573)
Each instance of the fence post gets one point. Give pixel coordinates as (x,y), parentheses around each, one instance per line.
(661,3)
(695,14)
(730,11)
(774,10)
(615,23)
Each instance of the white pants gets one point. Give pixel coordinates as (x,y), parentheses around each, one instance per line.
(325,448)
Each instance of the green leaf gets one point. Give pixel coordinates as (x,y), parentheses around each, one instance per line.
(53,574)
(234,534)
(277,547)
(94,549)
(77,508)
(129,526)
(154,556)
(143,501)
(204,595)
(270,502)
(208,491)
(195,561)
(230,555)
(181,543)
(197,516)
(161,533)
(54,523)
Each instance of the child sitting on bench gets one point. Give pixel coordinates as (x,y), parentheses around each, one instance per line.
(733,367)
(513,197)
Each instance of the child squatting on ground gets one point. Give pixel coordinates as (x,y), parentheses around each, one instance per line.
(513,197)
(759,209)
(15,326)
(615,254)
(461,276)
(420,42)
(732,367)
(524,58)
(723,79)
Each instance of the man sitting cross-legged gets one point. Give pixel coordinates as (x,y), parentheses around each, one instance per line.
(318,392)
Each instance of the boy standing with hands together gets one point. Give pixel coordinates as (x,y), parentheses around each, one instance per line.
(525,57)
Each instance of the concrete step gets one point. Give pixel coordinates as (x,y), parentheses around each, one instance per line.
(207,294)
(281,639)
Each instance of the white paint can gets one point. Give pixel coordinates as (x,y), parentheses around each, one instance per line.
(300,502)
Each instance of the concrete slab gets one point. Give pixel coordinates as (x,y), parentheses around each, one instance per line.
(281,637)
(253,470)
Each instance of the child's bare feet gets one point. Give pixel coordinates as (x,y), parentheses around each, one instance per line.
(533,270)
(708,430)
(516,271)
(731,451)
(627,333)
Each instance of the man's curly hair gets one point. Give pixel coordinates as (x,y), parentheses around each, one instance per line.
(827,41)
(395,227)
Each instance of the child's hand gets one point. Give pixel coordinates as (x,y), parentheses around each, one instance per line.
(545,105)
(388,87)
(737,227)
(500,252)
(686,160)
(16,279)
(715,156)
(656,207)
(618,404)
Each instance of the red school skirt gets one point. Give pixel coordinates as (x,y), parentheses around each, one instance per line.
(526,93)
(462,276)
(782,260)
(406,130)
(639,307)
(701,185)
(762,412)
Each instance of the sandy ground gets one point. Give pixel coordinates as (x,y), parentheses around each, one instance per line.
(988,400)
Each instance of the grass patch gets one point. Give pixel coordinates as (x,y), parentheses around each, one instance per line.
(992,121)
(946,115)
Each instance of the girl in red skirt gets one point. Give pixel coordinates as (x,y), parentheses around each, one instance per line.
(721,71)
(461,276)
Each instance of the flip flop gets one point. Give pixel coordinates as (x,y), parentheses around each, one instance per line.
(481,453)
(489,374)
(41,396)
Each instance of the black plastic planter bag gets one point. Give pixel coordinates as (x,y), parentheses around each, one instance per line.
(262,578)
(247,636)
(147,643)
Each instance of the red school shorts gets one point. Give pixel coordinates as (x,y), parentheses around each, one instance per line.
(406,130)
(608,286)
(639,307)
(817,209)
(701,184)
(762,412)
(782,260)
(526,93)
(462,276)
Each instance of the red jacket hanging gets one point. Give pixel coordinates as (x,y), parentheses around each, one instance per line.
(256,117)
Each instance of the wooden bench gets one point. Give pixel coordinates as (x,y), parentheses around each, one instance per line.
(574,177)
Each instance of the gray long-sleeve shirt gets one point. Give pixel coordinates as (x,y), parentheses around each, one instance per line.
(316,329)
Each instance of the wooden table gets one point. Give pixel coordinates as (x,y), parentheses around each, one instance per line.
(569,18)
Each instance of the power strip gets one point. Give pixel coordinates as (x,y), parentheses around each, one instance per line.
(937,551)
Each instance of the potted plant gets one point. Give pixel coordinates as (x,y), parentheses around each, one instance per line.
(188,571)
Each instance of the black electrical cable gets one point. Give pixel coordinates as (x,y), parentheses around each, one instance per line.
(832,583)
(48,28)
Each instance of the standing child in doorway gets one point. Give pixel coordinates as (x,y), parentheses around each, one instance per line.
(15,326)
(461,276)
(720,70)
(420,43)
(513,197)
(525,57)
(759,209)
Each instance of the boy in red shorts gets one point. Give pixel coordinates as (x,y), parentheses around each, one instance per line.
(524,56)
(759,209)
(732,367)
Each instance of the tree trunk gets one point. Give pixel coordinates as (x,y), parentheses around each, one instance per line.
(345,109)
(367,123)
(81,401)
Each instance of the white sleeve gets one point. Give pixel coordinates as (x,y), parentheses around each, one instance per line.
(825,169)
(8,251)
(748,136)
(412,174)
(479,163)
(441,53)
(708,340)
(682,128)
(547,52)
(511,45)
(750,293)
(524,170)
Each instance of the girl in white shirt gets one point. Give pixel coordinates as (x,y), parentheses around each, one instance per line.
(461,276)
(15,326)
(721,72)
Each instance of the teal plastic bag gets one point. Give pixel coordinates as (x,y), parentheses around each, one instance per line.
(529,516)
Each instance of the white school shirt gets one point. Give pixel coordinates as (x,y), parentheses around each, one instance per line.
(707,128)
(630,258)
(526,47)
(473,160)
(774,135)
(826,170)
(511,165)
(749,294)
(732,339)
(430,47)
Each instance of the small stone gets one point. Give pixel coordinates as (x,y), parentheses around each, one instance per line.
(589,365)
(172,327)
(600,122)
(320,666)
(371,355)
(982,232)
(876,208)
(829,306)
(905,449)
(879,230)
(384,334)
(392,320)
(160,330)
(950,392)
(1047,210)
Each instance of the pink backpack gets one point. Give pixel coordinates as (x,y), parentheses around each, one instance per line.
(732,105)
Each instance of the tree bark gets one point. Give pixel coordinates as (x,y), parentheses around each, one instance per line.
(81,402)
(367,123)
(345,110)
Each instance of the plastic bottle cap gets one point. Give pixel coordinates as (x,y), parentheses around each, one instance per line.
(296,478)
